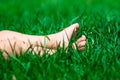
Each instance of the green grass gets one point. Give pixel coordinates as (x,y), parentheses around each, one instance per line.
(99,20)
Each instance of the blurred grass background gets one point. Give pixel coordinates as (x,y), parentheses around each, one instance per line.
(99,20)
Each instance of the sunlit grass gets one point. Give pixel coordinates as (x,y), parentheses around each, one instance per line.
(99,21)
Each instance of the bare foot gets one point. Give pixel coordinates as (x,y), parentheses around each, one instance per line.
(64,37)
(80,43)
(20,41)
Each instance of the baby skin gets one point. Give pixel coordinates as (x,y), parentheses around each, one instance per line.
(14,43)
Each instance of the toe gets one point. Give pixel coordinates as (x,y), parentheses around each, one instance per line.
(82,48)
(81,44)
(83,38)
(75,26)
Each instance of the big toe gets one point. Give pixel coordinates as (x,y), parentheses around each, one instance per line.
(76,26)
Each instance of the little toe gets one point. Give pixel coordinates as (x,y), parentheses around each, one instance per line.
(82,48)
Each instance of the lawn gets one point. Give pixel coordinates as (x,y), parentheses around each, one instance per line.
(99,20)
